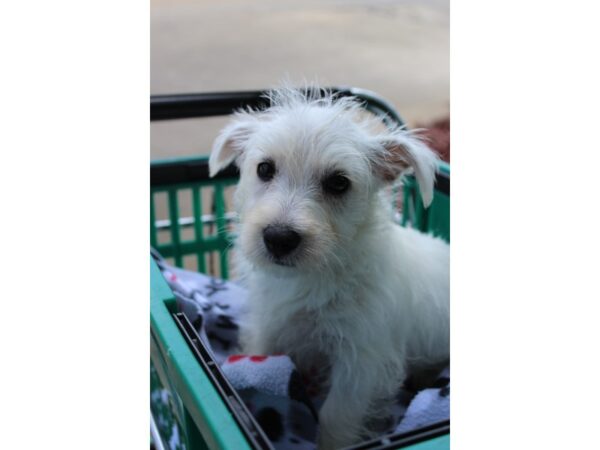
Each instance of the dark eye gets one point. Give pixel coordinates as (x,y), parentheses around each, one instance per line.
(336,184)
(266,170)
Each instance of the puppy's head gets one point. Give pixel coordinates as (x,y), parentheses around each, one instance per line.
(310,168)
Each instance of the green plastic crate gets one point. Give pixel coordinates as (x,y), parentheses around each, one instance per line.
(202,413)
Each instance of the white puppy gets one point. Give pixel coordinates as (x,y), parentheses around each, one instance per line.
(333,282)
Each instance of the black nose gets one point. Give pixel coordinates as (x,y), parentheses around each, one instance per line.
(280,240)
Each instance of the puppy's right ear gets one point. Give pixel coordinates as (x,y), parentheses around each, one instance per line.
(230,143)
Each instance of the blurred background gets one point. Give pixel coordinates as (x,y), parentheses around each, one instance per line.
(397,48)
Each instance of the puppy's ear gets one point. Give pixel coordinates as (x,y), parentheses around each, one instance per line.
(400,150)
(230,143)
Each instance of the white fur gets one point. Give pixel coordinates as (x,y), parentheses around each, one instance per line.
(361,298)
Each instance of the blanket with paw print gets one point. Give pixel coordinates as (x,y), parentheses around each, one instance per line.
(283,402)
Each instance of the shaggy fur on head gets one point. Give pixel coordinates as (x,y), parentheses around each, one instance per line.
(359,297)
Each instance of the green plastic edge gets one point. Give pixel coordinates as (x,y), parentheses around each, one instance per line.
(444,167)
(436,218)
(437,443)
(209,413)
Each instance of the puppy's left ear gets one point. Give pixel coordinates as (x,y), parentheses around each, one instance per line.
(231,143)
(401,150)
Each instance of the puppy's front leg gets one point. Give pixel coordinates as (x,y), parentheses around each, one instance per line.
(256,340)
(357,388)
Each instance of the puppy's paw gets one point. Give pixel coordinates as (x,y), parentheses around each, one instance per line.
(333,433)
(327,442)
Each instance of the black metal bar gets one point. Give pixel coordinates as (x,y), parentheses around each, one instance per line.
(186,170)
(182,106)
(230,397)
(396,441)
(185,106)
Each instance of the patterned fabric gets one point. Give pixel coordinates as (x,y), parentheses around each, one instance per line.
(282,401)
(428,406)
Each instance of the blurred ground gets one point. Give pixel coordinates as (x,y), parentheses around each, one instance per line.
(397,48)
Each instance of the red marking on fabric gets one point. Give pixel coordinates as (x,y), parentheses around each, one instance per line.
(234,358)
(173,277)
(258,358)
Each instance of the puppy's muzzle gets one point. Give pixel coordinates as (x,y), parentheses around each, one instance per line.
(280,240)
